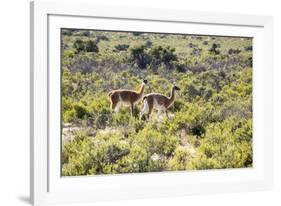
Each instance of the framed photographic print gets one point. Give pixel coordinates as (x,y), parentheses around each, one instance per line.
(126,105)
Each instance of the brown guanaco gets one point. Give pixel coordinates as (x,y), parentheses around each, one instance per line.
(126,97)
(158,102)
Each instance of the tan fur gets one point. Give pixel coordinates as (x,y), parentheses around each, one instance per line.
(157,101)
(125,97)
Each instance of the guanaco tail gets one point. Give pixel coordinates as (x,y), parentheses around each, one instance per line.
(158,102)
(126,97)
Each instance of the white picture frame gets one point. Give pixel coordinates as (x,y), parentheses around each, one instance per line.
(47,186)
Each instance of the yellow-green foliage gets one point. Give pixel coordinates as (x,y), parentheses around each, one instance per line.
(209,124)
(180,159)
(226,145)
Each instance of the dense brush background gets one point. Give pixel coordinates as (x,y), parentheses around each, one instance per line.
(209,125)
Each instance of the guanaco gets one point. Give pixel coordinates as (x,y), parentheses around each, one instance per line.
(158,102)
(126,97)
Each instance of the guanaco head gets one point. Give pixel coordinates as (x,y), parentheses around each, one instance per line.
(176,88)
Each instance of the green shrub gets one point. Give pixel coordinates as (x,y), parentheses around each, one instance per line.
(215,49)
(91,46)
(121,47)
(225,147)
(76,156)
(154,141)
(84,156)
(163,55)
(180,160)
(80,110)
(79,45)
(140,57)
(135,161)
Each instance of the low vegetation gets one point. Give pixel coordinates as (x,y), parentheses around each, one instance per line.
(209,125)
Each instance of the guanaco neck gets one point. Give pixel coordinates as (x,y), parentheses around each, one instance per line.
(172,97)
(141,90)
